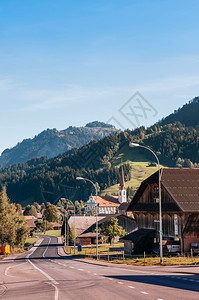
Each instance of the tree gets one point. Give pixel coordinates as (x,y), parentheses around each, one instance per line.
(37,206)
(30,210)
(51,213)
(7,229)
(13,227)
(78,209)
(111,229)
(71,235)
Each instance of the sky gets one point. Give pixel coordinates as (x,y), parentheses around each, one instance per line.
(69,62)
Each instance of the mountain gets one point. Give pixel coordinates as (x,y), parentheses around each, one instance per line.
(53,142)
(187,115)
(47,180)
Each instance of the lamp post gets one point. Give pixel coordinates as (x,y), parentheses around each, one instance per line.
(85,179)
(160,198)
(64,199)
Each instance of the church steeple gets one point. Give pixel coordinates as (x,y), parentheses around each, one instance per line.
(122,184)
(122,190)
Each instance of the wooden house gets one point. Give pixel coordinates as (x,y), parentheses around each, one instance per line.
(180,205)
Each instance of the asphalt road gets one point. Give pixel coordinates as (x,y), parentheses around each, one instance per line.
(43,274)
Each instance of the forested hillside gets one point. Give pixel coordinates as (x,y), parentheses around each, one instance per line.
(52,142)
(187,115)
(47,180)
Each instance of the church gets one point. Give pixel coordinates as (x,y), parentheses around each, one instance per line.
(109,205)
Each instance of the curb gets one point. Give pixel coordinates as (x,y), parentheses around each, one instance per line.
(106,264)
(63,254)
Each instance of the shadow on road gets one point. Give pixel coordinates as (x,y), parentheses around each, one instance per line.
(162,280)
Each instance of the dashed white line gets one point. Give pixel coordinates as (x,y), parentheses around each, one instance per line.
(89,271)
(144,293)
(120,282)
(71,267)
(80,270)
(131,287)
(46,248)
(95,274)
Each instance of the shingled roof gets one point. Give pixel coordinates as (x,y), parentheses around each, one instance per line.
(181,184)
(82,222)
(107,201)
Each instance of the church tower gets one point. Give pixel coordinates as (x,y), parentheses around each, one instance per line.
(122,190)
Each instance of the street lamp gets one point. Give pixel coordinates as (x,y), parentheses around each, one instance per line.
(64,199)
(160,198)
(85,179)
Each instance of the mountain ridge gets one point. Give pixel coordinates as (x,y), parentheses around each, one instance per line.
(53,142)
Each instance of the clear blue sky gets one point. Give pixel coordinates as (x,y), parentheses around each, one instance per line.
(67,62)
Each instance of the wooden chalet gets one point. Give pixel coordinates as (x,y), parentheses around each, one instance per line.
(180,205)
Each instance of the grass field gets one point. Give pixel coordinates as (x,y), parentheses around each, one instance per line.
(88,251)
(167,261)
(50,232)
(30,241)
(139,161)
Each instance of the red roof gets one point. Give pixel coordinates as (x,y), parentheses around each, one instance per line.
(30,218)
(107,201)
(30,223)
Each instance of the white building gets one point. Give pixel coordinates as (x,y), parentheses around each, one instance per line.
(108,205)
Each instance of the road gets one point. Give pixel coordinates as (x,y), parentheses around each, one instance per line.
(43,274)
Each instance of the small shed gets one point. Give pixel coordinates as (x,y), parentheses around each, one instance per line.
(88,238)
(130,238)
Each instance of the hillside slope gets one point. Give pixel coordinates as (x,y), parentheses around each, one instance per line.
(187,115)
(53,142)
(47,180)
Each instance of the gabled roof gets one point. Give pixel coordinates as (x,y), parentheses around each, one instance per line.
(181,184)
(30,223)
(107,201)
(135,234)
(82,223)
(88,234)
(124,206)
(104,219)
(30,218)
(55,224)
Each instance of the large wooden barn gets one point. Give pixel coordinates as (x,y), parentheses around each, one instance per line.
(180,205)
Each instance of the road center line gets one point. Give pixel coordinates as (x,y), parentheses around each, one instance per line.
(52,281)
(46,248)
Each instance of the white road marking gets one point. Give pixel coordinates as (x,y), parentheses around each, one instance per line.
(110,279)
(56,290)
(3,287)
(80,270)
(7,269)
(53,281)
(46,248)
(144,293)
(131,287)
(120,283)
(89,271)
(72,267)
(95,274)
(44,273)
